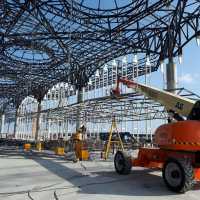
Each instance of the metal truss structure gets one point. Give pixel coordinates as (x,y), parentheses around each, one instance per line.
(130,106)
(132,111)
(43,42)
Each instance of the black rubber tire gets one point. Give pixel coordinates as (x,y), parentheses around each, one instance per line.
(185,173)
(122,162)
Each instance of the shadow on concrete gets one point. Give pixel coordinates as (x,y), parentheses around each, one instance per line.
(11,152)
(98,180)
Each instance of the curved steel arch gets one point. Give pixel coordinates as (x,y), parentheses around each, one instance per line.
(77,38)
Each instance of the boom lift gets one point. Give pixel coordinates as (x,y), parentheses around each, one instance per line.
(176,145)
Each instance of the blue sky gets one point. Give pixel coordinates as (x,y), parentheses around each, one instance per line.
(104,4)
(188,73)
(189,70)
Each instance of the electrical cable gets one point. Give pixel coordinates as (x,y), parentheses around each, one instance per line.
(55,195)
(29,195)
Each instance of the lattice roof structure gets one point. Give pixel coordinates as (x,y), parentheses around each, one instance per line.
(131,106)
(43,42)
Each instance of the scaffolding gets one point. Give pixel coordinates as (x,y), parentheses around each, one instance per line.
(135,114)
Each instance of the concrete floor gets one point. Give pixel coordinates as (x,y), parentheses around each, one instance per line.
(41,177)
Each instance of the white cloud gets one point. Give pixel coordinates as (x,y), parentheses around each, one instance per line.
(188,78)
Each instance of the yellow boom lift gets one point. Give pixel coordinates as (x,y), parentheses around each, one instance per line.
(177,144)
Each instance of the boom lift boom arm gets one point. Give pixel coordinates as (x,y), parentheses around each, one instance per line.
(172,102)
(177,150)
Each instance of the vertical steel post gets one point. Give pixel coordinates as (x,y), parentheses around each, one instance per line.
(171,75)
(78,114)
(2,123)
(38,121)
(15,123)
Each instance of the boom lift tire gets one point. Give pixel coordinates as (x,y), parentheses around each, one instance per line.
(178,175)
(176,150)
(122,162)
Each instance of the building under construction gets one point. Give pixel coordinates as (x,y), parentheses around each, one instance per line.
(78,101)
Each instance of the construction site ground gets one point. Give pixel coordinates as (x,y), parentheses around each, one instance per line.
(44,176)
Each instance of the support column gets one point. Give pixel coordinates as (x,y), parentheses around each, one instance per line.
(49,128)
(15,123)
(171,75)
(2,123)
(37,128)
(78,114)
